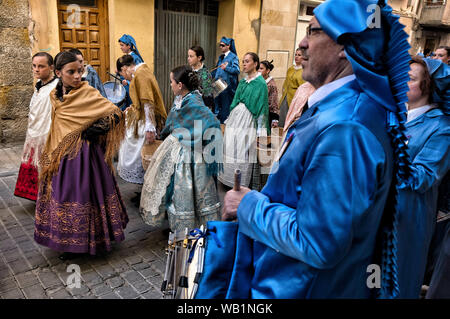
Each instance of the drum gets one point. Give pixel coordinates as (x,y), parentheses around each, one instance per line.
(115,92)
(184,265)
(218,87)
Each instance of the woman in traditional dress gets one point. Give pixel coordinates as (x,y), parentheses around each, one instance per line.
(428,133)
(145,119)
(265,67)
(39,120)
(89,73)
(79,207)
(249,119)
(128,46)
(291,83)
(181,175)
(196,56)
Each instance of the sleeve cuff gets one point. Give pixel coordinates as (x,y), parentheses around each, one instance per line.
(247,208)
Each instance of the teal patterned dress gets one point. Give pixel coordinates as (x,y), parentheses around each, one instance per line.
(206,86)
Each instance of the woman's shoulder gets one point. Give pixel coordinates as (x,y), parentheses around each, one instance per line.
(231,56)
(272,83)
(260,82)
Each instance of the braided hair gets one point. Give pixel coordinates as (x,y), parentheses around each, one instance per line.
(268,65)
(187,76)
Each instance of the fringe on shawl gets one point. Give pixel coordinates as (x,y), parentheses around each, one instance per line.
(71,144)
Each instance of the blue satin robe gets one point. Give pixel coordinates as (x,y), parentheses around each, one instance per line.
(94,80)
(230,75)
(231,72)
(428,147)
(311,231)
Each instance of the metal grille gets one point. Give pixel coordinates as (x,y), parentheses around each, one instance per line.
(175,33)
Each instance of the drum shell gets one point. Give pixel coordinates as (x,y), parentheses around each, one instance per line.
(218,87)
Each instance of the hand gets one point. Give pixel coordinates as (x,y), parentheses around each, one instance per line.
(274,123)
(223,65)
(150,137)
(231,203)
(124,82)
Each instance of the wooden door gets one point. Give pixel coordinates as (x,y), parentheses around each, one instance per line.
(83,24)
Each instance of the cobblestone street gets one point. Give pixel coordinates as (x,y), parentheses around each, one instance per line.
(133,270)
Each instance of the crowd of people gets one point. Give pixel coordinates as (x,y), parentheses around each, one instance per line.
(360,177)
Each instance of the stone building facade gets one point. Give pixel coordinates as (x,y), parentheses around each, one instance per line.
(15,69)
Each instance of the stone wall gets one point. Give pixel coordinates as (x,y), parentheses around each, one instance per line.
(277,39)
(16,78)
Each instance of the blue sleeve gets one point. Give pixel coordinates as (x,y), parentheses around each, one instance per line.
(339,182)
(233,66)
(94,80)
(137,58)
(432,162)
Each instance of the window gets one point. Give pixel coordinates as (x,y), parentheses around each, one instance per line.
(309,10)
(207,7)
(435,2)
(306,10)
(81,3)
(212,8)
(187,6)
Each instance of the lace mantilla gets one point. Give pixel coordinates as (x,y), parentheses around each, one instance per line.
(158,177)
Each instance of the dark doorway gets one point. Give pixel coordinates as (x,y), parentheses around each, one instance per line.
(180,24)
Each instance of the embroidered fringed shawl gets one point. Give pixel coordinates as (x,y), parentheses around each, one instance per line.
(145,89)
(80,108)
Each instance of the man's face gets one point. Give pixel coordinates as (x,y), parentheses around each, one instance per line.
(441,54)
(223,47)
(81,60)
(320,55)
(41,69)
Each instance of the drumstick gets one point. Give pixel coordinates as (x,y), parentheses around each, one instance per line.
(114,76)
(214,68)
(237,180)
(217,67)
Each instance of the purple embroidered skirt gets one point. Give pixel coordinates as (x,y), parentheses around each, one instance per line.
(85,211)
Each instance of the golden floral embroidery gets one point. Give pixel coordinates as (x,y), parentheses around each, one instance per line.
(76,224)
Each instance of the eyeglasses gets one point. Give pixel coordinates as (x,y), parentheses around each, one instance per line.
(222,45)
(310,30)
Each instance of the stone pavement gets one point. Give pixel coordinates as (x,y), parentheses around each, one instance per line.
(133,270)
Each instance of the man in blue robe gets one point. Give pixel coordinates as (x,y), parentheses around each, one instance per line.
(228,70)
(324,226)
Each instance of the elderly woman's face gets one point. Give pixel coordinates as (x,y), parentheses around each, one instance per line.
(416,75)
